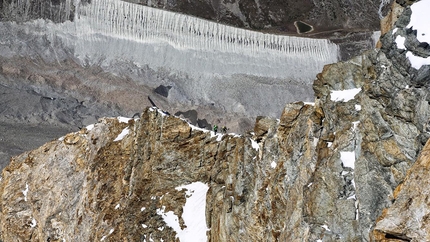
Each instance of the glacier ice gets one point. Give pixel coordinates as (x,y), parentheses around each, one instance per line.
(192,45)
(205,62)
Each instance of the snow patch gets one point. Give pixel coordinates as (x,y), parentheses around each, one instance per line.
(33,223)
(25,192)
(419,20)
(273,164)
(310,184)
(163,113)
(194,214)
(355,125)
(417,61)
(142,209)
(348,158)
(123,119)
(326,227)
(357,107)
(344,95)
(117,206)
(123,133)
(198,128)
(254,144)
(144,226)
(400,42)
(105,236)
(90,127)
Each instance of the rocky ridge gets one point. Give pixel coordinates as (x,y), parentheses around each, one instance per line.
(322,172)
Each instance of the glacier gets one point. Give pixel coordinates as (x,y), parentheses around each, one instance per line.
(238,70)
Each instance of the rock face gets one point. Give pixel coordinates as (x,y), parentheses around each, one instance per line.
(322,172)
(407,218)
(281,15)
(276,15)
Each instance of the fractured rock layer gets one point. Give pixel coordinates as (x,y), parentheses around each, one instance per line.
(322,172)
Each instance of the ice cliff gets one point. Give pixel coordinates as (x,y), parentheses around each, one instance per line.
(204,63)
(335,170)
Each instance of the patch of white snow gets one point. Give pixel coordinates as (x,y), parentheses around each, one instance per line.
(358,107)
(273,164)
(194,215)
(355,125)
(417,61)
(117,206)
(123,119)
(123,133)
(144,226)
(25,192)
(197,128)
(400,42)
(326,227)
(90,127)
(348,158)
(255,144)
(344,95)
(419,20)
(33,223)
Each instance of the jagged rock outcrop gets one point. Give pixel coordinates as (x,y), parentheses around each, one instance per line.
(407,219)
(322,172)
